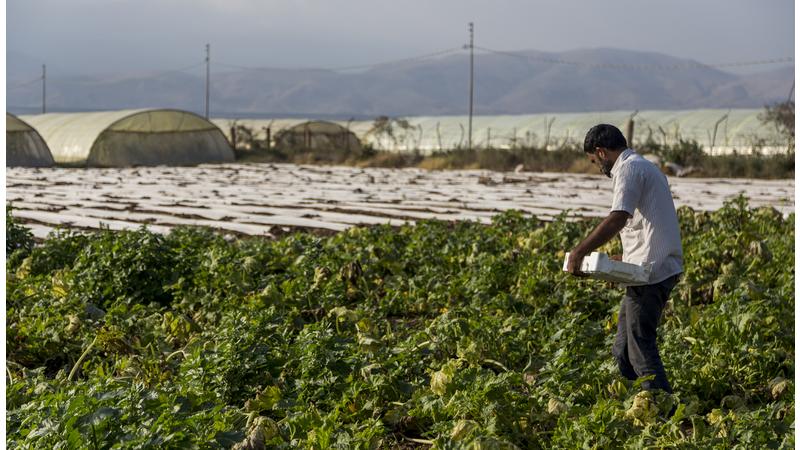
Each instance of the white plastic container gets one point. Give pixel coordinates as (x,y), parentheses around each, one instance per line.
(600,266)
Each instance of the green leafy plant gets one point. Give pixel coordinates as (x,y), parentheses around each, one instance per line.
(18,238)
(453,335)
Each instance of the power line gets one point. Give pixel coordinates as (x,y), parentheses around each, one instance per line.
(762,62)
(471,79)
(25,83)
(677,66)
(354,67)
(181,69)
(44,88)
(144,75)
(400,61)
(208,76)
(791,93)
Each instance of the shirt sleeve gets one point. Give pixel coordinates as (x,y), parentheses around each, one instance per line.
(628,188)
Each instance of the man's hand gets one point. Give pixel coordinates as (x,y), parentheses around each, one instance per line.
(615,257)
(574,263)
(602,233)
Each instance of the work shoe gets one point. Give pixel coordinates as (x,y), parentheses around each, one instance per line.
(666,403)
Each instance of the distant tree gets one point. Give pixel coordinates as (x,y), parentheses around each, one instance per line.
(387,126)
(781,115)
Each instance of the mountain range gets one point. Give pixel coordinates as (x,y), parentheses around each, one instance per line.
(597,79)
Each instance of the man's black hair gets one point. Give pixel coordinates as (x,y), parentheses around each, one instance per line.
(605,136)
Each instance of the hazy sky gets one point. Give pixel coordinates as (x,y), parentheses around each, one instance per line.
(103,36)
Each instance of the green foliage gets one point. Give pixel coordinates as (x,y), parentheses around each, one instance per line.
(131,266)
(18,238)
(459,335)
(684,153)
(781,116)
(748,166)
(564,159)
(734,165)
(56,253)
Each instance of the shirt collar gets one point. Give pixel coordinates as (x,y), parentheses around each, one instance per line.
(627,153)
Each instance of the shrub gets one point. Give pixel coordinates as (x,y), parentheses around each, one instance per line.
(18,238)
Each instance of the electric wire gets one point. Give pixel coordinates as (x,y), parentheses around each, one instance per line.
(654,67)
(355,67)
(144,75)
(171,71)
(25,83)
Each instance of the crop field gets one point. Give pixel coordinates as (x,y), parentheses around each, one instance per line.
(267,199)
(435,333)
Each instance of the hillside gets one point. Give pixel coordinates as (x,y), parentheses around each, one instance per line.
(528,83)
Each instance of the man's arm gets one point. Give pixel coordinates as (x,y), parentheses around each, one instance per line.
(602,233)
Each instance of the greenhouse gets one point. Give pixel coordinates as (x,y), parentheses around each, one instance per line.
(718,131)
(252,128)
(290,133)
(147,137)
(317,134)
(24,146)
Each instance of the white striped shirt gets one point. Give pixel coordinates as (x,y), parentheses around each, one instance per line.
(652,234)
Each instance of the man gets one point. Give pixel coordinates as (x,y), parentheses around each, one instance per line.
(643,213)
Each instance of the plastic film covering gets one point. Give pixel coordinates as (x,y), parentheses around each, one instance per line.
(162,121)
(24,146)
(317,135)
(13,123)
(132,137)
(257,126)
(294,133)
(717,131)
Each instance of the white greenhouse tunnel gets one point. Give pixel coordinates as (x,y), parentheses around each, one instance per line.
(24,146)
(299,133)
(144,137)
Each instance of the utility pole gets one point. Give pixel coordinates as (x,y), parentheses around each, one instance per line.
(630,127)
(208,75)
(471,72)
(44,88)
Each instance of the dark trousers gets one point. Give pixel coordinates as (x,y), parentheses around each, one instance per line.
(635,345)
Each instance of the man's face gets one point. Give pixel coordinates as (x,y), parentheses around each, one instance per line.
(600,159)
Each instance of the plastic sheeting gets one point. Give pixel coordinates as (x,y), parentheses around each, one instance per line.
(716,130)
(24,146)
(295,133)
(257,126)
(318,135)
(126,138)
